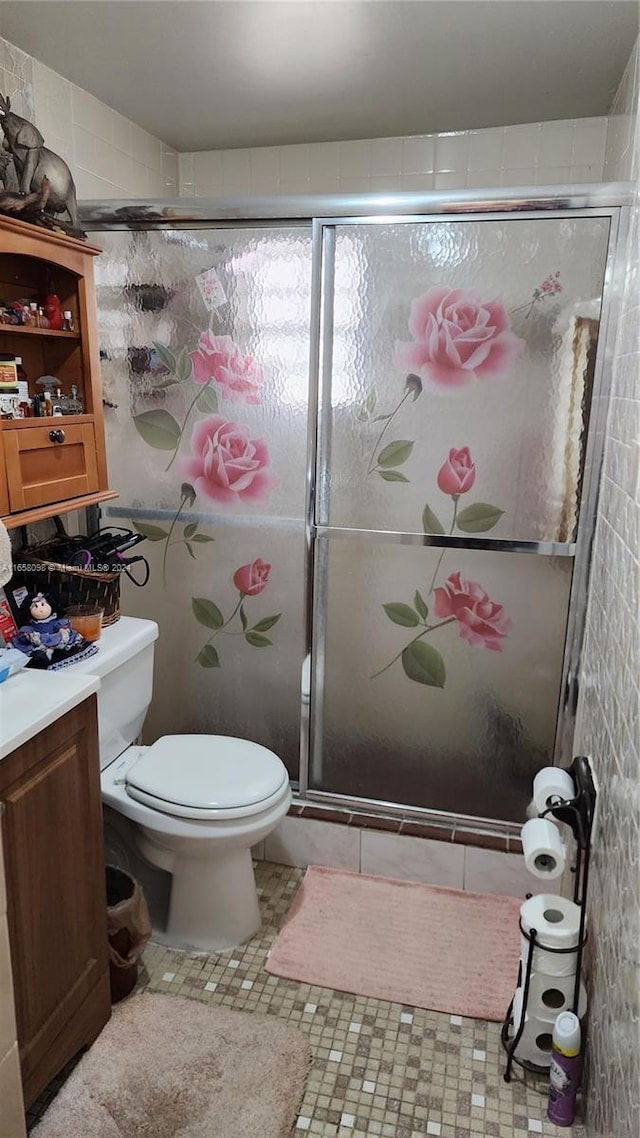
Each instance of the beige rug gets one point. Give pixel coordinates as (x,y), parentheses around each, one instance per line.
(166,1067)
(442,949)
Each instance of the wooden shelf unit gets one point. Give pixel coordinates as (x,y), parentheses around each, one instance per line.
(41,472)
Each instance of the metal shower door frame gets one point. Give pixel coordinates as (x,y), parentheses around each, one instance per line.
(318,532)
(325,210)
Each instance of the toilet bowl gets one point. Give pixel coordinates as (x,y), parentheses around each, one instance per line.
(197,803)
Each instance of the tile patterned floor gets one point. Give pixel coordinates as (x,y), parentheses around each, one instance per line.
(379,1069)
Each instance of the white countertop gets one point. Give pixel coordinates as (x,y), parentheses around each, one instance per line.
(32,700)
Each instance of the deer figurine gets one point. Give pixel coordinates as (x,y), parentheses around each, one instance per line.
(33,162)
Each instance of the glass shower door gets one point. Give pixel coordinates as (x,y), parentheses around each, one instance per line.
(204,336)
(456,376)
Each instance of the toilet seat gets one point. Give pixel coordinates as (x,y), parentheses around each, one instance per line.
(207,777)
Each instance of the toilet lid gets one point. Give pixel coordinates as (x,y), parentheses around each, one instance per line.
(208,772)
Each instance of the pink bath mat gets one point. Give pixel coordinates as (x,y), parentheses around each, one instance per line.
(442,949)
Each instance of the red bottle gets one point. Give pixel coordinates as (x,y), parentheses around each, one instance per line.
(53,311)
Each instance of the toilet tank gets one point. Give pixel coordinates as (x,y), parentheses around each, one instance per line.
(124,663)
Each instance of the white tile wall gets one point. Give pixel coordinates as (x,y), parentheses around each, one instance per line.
(109,156)
(412,859)
(305,841)
(609,706)
(310,841)
(569,150)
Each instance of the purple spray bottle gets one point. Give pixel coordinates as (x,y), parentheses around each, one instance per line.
(564,1073)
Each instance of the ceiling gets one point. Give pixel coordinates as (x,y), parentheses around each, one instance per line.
(212,74)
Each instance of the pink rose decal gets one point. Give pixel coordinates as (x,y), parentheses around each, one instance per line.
(458,337)
(226,464)
(253,578)
(458,473)
(480,620)
(219,358)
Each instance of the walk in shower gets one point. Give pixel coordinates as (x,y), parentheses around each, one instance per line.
(364,447)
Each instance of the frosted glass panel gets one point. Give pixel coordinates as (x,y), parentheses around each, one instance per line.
(456,717)
(244,351)
(465,347)
(204,338)
(254,692)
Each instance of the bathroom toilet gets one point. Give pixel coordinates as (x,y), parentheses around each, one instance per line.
(198,803)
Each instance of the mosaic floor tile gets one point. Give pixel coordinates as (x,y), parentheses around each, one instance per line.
(379,1069)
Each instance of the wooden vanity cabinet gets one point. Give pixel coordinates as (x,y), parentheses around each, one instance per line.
(56,900)
(55,464)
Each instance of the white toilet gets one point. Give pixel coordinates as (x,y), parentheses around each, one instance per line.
(199,802)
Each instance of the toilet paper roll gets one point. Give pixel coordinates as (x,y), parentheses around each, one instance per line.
(551,783)
(534,1045)
(543,849)
(550,995)
(557,924)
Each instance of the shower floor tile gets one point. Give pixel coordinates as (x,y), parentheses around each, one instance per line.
(379,1068)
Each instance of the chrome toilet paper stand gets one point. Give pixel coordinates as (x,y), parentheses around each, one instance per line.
(578,814)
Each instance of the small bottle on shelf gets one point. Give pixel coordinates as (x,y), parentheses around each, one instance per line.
(43,321)
(74,403)
(46,402)
(58,402)
(67,321)
(34,320)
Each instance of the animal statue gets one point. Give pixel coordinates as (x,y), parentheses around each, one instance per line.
(33,162)
(29,205)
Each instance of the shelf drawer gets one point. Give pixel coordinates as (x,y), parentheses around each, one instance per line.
(41,470)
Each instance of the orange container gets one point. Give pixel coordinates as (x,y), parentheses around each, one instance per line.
(86,619)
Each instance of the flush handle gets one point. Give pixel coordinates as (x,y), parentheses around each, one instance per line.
(57,436)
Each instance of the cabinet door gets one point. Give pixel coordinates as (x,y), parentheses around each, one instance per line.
(52,837)
(50,463)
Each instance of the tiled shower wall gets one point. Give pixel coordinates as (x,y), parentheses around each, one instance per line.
(609,709)
(109,156)
(542,153)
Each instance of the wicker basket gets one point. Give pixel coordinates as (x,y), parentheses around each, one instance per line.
(72,586)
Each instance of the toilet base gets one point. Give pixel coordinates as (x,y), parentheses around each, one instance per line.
(213,903)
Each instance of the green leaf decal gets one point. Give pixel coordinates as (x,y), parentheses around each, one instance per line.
(414,385)
(421,606)
(478,518)
(392,476)
(371,400)
(165,356)
(158,429)
(208,657)
(152,533)
(401,614)
(201,538)
(430,523)
(190,529)
(243,618)
(422,663)
(207,401)
(184,367)
(207,613)
(188,493)
(266,623)
(256,640)
(191,553)
(395,453)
